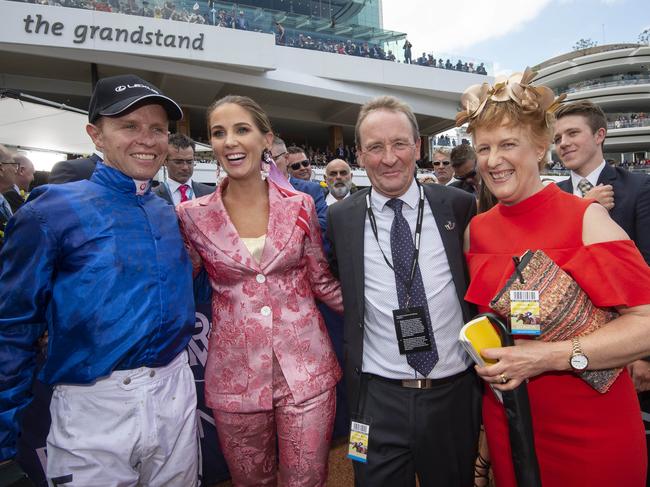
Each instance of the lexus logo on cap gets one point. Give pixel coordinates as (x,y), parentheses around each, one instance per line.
(121,88)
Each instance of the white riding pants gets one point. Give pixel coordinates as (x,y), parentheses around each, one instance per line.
(133,428)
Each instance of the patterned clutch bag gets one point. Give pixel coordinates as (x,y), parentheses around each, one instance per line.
(565,310)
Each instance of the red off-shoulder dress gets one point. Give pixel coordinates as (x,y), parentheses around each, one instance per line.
(582,437)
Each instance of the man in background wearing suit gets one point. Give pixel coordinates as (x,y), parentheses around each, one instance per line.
(179,186)
(17,195)
(580,132)
(463,162)
(422,406)
(74,170)
(7,179)
(281,156)
(25,174)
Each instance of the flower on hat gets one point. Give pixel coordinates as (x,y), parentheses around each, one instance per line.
(517,88)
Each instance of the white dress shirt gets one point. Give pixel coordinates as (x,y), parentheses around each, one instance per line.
(380,350)
(592,177)
(175,191)
(330,200)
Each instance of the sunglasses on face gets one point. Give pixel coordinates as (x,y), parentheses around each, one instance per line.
(444,163)
(469,175)
(296,165)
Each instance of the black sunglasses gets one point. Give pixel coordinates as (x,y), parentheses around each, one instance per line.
(470,174)
(444,163)
(296,165)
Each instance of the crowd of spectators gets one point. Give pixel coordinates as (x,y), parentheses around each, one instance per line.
(445,141)
(467,67)
(627,120)
(605,81)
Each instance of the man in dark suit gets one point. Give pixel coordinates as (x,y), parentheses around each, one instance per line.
(74,170)
(463,161)
(422,406)
(8,170)
(580,131)
(179,186)
(16,196)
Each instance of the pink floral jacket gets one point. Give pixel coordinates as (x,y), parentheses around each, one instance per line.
(265,308)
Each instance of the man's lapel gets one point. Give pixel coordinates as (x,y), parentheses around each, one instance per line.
(168,193)
(354,229)
(607,175)
(450,233)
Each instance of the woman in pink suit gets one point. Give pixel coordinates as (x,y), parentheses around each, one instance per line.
(271,367)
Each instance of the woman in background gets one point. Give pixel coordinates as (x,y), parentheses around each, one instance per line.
(582,437)
(271,369)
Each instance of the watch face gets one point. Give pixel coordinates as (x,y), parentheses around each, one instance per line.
(579,362)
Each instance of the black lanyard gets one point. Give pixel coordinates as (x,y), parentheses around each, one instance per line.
(418,234)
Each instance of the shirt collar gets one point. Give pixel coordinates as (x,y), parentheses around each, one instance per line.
(592,177)
(117,180)
(174,185)
(411,197)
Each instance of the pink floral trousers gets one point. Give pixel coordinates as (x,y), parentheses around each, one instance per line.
(304,432)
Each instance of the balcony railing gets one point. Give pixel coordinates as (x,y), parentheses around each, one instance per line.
(605,82)
(627,120)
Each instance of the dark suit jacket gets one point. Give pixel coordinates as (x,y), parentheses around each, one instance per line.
(631,203)
(74,170)
(14,199)
(199,190)
(345,229)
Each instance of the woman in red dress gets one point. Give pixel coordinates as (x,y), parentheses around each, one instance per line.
(582,437)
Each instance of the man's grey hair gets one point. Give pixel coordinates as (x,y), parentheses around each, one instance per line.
(389,104)
(442,150)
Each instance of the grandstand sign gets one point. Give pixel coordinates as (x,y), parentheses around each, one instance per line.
(78,28)
(82,32)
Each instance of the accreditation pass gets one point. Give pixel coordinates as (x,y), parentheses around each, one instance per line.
(358,446)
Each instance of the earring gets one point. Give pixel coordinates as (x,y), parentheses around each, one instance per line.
(266,156)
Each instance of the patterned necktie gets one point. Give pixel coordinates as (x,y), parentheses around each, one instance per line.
(402,250)
(584,186)
(183,189)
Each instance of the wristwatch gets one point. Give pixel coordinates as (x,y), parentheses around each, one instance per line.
(578,359)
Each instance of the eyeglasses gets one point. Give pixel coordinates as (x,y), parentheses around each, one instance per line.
(274,157)
(444,163)
(296,165)
(181,162)
(469,175)
(378,150)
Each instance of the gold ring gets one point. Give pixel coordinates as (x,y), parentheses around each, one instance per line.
(504,378)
